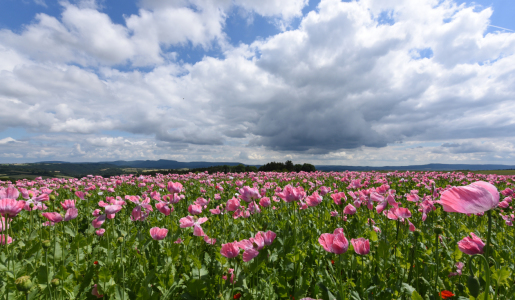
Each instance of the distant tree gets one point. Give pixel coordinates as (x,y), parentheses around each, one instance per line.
(251,169)
(308,168)
(289,166)
(298,167)
(239,168)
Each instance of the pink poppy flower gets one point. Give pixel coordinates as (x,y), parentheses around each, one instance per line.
(195,209)
(230,250)
(258,241)
(334,243)
(174,187)
(100,232)
(474,198)
(198,231)
(53,216)
(165,208)
(158,233)
(94,292)
(361,246)
(265,202)
(349,210)
(290,194)
(112,209)
(324,190)
(268,237)
(209,240)
(472,245)
(249,251)
(10,207)
(9,193)
(97,223)
(68,204)
(191,221)
(334,213)
(2,239)
(80,194)
(201,201)
(71,214)
(233,204)
(337,198)
(314,199)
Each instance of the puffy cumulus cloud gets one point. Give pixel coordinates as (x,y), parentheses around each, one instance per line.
(355,82)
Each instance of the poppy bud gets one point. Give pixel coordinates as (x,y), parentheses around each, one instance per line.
(473,285)
(52,198)
(23,284)
(438,230)
(31,205)
(120,239)
(46,244)
(54,282)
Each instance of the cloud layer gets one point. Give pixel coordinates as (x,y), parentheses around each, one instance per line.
(362,82)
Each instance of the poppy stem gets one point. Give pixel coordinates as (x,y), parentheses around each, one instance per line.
(437,258)
(487,252)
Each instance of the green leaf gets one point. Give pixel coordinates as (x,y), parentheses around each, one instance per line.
(408,288)
(69,231)
(501,275)
(416,296)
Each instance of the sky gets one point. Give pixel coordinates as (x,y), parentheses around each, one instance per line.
(327,82)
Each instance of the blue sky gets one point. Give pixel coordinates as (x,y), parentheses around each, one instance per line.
(365,82)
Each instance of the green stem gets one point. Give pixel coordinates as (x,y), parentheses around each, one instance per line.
(437,259)
(487,253)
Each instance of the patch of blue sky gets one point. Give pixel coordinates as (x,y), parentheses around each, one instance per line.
(312,6)
(248,27)
(117,10)
(404,146)
(15,14)
(502,11)
(16,133)
(386,18)
(421,53)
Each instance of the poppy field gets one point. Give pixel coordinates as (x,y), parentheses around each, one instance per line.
(264,235)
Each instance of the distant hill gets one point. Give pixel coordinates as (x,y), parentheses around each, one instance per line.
(428,167)
(168,164)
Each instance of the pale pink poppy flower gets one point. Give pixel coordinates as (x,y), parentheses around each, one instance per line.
(361,246)
(314,199)
(472,245)
(174,187)
(165,208)
(48,223)
(94,292)
(475,198)
(158,233)
(53,216)
(141,211)
(268,237)
(324,190)
(411,226)
(112,209)
(507,192)
(504,204)
(97,212)
(191,221)
(349,210)
(71,213)
(2,239)
(230,250)
(248,194)
(334,213)
(233,204)
(265,202)
(68,204)
(209,240)
(9,193)
(290,193)
(337,198)
(402,212)
(338,230)
(258,241)
(10,207)
(376,229)
(218,197)
(231,272)
(100,232)
(334,243)
(178,241)
(201,201)
(249,251)
(80,194)
(198,231)
(97,223)
(254,208)
(307,298)
(215,211)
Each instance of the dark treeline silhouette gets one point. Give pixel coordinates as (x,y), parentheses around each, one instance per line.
(288,166)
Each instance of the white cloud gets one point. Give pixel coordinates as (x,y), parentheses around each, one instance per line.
(343,87)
